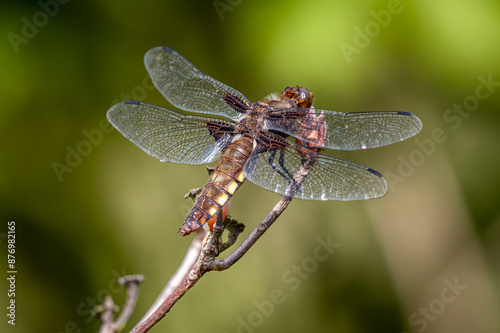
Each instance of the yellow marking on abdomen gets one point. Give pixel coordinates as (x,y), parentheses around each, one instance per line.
(222,198)
(241,177)
(213,210)
(231,187)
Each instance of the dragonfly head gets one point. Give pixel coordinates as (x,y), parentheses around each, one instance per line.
(301,95)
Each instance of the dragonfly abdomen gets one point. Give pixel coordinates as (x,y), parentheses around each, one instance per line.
(221,185)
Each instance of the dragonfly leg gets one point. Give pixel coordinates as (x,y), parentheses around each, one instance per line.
(272,156)
(285,173)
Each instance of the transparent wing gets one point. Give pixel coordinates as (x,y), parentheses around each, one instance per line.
(187,88)
(171,136)
(349,131)
(331,178)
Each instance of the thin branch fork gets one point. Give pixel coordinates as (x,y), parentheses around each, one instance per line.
(211,248)
(106,310)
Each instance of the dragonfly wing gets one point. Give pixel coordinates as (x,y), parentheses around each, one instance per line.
(349,131)
(273,164)
(187,88)
(171,136)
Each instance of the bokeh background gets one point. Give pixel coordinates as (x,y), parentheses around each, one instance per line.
(423,258)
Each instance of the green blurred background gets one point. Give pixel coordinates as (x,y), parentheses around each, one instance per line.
(114,210)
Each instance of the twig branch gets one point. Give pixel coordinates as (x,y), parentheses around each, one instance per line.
(106,310)
(189,260)
(210,249)
(131,283)
(223,264)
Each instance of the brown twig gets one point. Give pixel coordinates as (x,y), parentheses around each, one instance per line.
(106,310)
(223,264)
(189,260)
(131,283)
(210,249)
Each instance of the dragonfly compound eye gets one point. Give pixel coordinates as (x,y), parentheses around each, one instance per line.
(306,98)
(302,96)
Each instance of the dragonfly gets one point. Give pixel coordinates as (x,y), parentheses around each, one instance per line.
(265,142)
